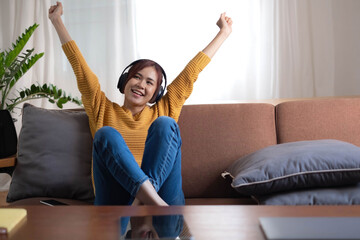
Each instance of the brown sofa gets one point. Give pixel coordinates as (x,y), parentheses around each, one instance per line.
(215,135)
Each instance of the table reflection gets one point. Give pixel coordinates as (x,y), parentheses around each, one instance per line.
(154,227)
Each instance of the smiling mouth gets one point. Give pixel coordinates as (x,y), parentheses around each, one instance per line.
(137,92)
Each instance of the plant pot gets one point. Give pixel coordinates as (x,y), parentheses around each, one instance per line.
(8,136)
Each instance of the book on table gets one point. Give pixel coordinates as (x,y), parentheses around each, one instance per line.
(11,218)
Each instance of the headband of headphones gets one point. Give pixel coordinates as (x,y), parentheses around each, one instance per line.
(123,79)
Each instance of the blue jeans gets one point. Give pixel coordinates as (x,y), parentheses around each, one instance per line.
(118,177)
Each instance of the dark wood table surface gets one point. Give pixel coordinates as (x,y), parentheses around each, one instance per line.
(205,222)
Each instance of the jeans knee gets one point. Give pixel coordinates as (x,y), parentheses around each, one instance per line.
(106,138)
(103,133)
(165,123)
(165,128)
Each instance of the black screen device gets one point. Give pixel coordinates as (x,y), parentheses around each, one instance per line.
(52,202)
(286,228)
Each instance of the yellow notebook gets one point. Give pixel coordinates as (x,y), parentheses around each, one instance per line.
(10,217)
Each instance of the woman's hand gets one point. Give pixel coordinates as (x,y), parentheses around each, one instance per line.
(225,24)
(55,11)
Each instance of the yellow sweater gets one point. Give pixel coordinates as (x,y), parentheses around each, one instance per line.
(102,112)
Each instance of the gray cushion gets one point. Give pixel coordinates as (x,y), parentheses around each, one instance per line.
(54,156)
(296,165)
(348,195)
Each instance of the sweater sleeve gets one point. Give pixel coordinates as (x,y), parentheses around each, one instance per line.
(181,88)
(87,82)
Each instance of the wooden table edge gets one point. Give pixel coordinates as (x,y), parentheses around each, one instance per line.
(8,162)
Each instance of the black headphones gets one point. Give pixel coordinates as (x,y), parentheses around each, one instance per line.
(123,79)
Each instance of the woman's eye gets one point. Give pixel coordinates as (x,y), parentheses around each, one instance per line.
(149,83)
(136,77)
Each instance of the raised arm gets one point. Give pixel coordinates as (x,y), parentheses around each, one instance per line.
(87,81)
(55,13)
(225,25)
(181,87)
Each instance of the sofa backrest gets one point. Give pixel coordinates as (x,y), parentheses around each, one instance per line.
(215,135)
(335,118)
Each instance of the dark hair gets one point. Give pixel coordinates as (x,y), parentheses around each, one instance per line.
(143,64)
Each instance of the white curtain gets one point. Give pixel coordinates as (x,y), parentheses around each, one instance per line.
(278,48)
(304,49)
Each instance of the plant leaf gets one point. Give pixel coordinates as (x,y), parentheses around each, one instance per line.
(13,66)
(28,63)
(19,45)
(61,101)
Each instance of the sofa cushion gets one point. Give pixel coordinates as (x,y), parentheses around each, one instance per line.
(213,136)
(54,156)
(346,195)
(296,165)
(334,118)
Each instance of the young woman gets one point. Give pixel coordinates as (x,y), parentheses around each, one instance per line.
(136,149)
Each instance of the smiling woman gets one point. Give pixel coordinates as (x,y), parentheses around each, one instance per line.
(143,74)
(141,89)
(137,147)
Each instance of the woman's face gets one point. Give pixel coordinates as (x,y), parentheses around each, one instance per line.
(141,88)
(142,228)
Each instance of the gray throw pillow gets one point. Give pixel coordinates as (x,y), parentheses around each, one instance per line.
(54,156)
(346,195)
(296,165)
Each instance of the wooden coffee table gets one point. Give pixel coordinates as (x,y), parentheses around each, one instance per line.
(205,222)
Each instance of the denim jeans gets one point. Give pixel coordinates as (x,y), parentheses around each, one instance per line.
(118,177)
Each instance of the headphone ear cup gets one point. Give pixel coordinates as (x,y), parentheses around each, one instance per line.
(160,94)
(122,82)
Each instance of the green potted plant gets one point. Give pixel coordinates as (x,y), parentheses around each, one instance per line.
(13,65)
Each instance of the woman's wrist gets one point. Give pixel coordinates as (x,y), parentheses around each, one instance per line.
(55,19)
(225,33)
(61,29)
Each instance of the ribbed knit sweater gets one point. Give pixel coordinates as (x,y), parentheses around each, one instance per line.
(102,112)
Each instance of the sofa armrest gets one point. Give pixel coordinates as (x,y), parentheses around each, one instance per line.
(8,162)
(7,165)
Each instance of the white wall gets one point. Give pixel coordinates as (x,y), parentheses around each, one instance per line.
(346,15)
